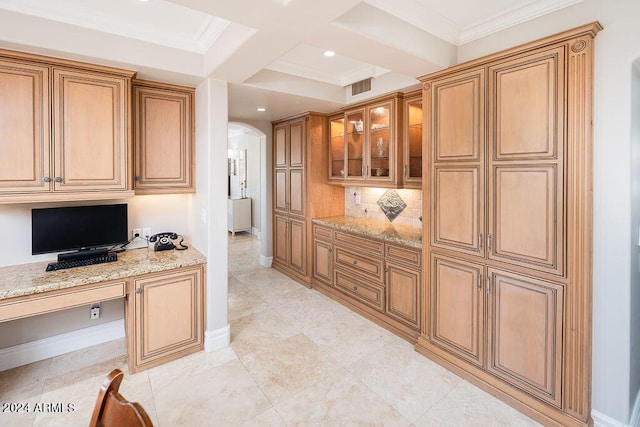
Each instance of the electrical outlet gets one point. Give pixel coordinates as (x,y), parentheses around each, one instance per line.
(136,232)
(95,311)
(146,232)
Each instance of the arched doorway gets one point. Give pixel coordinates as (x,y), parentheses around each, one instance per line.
(247,149)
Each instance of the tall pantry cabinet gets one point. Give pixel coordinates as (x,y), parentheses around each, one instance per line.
(300,190)
(507,229)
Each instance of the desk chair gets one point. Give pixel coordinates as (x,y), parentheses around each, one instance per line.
(114,410)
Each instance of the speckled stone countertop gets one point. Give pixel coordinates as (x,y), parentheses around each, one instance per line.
(27,279)
(401,234)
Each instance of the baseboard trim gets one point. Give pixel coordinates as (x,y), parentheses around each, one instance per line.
(217,339)
(34,351)
(635,414)
(602,420)
(266,261)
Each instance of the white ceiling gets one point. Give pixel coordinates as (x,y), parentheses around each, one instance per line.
(270,51)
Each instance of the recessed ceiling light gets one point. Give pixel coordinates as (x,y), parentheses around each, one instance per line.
(261,109)
(329,53)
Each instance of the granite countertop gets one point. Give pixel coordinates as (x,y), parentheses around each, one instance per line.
(27,279)
(401,234)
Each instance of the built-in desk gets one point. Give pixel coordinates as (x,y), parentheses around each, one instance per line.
(163,291)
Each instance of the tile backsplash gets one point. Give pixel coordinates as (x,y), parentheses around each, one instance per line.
(363,202)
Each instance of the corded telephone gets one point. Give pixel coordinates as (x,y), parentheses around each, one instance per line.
(162,242)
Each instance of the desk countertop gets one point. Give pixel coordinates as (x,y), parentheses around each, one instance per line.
(28,279)
(401,234)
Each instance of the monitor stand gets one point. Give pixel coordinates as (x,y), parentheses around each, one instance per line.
(83,253)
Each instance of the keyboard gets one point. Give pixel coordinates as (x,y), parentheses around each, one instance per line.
(61,265)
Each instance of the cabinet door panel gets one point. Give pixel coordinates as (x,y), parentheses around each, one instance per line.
(525,208)
(296,141)
(457,308)
(403,294)
(298,245)
(281,184)
(526,106)
(459,116)
(281,239)
(24,127)
(458,209)
(525,333)
(336,149)
(323,262)
(280,147)
(169,314)
(90,131)
(413,143)
(163,139)
(296,192)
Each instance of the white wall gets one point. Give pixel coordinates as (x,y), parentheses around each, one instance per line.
(615,379)
(208,207)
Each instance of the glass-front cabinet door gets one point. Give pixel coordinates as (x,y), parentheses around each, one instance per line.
(337,149)
(412,172)
(355,139)
(380,134)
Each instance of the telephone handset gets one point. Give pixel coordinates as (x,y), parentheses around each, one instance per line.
(162,242)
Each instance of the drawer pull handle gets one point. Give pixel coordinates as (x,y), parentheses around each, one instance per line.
(355,288)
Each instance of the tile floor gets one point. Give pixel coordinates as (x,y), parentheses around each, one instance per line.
(296,359)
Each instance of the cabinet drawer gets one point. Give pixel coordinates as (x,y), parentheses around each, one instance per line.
(321,233)
(411,257)
(48,302)
(359,264)
(369,294)
(363,243)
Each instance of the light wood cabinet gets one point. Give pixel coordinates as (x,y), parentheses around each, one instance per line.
(457,310)
(163,122)
(412,136)
(509,227)
(366,146)
(379,279)
(525,333)
(167,313)
(25,127)
(322,254)
(300,191)
(65,128)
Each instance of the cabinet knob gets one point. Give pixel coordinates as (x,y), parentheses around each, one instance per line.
(355,288)
(355,262)
(330,250)
(137,178)
(46,179)
(386,270)
(57,179)
(139,291)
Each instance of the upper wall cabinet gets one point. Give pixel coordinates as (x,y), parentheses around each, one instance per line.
(412,166)
(64,130)
(366,144)
(163,138)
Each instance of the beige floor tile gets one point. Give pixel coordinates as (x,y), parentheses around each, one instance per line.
(269,418)
(467,405)
(87,357)
(408,381)
(20,390)
(192,366)
(224,395)
(259,330)
(340,400)
(307,309)
(349,338)
(289,366)
(242,302)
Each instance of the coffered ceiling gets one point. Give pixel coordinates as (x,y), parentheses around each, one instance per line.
(270,51)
